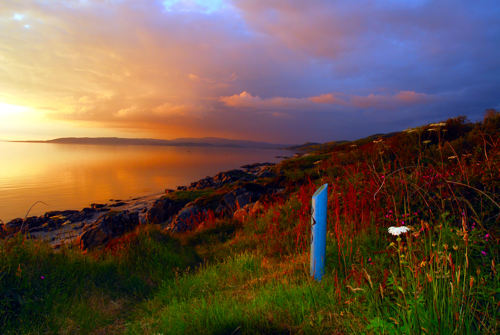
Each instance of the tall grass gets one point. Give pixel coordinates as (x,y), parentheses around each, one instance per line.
(43,290)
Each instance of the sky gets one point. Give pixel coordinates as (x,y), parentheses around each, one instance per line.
(282,71)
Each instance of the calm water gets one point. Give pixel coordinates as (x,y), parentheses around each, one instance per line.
(67,176)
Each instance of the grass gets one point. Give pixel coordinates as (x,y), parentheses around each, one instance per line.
(252,277)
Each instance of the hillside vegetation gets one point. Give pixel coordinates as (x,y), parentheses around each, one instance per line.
(250,274)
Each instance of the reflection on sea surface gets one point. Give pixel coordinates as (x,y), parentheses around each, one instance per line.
(67,176)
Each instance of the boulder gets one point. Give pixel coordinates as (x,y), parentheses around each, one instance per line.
(164,209)
(13,225)
(97,206)
(118,204)
(187,218)
(231,176)
(242,196)
(265,173)
(87,213)
(107,227)
(221,179)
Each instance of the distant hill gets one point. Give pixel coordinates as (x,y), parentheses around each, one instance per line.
(327,146)
(204,141)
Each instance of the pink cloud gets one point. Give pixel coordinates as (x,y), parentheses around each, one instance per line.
(328,98)
(411,97)
(247,100)
(400,99)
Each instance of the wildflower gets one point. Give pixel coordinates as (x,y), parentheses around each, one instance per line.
(486,237)
(483,252)
(396,231)
(455,247)
(42,277)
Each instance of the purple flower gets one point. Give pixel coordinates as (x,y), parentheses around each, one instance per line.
(483,252)
(42,277)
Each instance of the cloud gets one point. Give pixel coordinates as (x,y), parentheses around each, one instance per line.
(278,70)
(324,101)
(328,98)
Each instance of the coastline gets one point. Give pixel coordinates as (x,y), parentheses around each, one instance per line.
(69,227)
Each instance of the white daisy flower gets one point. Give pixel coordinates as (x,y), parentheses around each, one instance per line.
(396,231)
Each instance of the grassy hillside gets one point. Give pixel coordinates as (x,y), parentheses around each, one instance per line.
(251,275)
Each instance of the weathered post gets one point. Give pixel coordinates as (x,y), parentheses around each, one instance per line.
(318,232)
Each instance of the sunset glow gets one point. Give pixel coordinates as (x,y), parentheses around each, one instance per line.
(243,69)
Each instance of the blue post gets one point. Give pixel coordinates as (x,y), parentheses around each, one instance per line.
(318,232)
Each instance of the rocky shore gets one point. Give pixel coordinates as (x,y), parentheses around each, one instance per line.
(233,193)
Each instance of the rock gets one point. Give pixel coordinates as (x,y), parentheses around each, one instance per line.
(261,170)
(13,225)
(44,227)
(242,196)
(187,218)
(202,183)
(256,165)
(97,206)
(231,176)
(118,204)
(34,221)
(265,173)
(66,213)
(88,210)
(107,227)
(163,209)
(221,179)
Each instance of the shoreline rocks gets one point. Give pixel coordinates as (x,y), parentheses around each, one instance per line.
(107,227)
(230,193)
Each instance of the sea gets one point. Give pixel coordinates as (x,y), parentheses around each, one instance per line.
(71,176)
